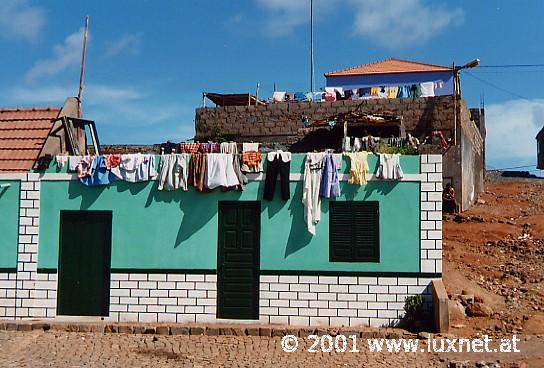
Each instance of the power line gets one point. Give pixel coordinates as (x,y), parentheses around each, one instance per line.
(512,66)
(496,87)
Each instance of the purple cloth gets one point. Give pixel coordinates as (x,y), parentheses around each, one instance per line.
(330,184)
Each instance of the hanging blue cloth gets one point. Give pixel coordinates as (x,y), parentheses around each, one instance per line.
(330,185)
(100,175)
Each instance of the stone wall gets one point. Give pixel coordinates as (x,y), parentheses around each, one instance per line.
(281,122)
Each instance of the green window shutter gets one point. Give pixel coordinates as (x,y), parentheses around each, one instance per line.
(354,231)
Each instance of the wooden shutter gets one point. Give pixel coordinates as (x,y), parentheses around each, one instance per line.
(354,231)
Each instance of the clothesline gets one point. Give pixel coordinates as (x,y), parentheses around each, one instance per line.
(330,94)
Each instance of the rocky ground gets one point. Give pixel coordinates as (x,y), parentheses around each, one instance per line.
(494,261)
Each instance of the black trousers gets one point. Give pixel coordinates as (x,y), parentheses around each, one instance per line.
(273,169)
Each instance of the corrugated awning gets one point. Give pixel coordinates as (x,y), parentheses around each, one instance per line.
(233,99)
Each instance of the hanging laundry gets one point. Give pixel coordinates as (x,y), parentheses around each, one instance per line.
(204,147)
(98,173)
(358,167)
(236,163)
(278,163)
(389,168)
(189,147)
(112,161)
(289,96)
(330,184)
(383,92)
(356,145)
(348,94)
(318,97)
(330,97)
(174,172)
(136,168)
(73,162)
(169,147)
(427,89)
(228,147)
(278,96)
(364,92)
(252,161)
(84,166)
(197,171)
(374,91)
(220,171)
(313,167)
(61,161)
(393,92)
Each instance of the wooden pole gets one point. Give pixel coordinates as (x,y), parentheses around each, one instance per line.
(83,58)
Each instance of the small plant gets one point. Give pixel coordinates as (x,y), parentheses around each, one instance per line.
(401,150)
(413,306)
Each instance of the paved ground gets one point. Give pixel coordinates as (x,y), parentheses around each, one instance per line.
(63,349)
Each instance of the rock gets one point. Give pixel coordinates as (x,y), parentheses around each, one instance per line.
(466,299)
(478,299)
(163,330)
(479,310)
(179,330)
(424,335)
(456,309)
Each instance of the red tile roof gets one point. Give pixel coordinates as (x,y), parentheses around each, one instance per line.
(22,135)
(389,66)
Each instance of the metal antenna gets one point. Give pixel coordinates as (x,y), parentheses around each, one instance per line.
(312,46)
(83,57)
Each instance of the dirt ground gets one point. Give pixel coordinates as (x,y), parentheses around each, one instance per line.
(494,256)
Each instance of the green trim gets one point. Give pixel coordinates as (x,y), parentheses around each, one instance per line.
(165,270)
(8,270)
(263,272)
(47,270)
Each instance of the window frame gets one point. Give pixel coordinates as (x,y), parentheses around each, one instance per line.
(353,207)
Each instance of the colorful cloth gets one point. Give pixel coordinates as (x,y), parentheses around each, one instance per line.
(252,160)
(112,161)
(98,174)
(136,168)
(189,147)
(84,166)
(393,92)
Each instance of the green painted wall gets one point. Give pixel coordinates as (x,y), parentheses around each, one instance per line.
(9,223)
(170,230)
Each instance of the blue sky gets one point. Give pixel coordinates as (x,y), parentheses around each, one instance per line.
(149,61)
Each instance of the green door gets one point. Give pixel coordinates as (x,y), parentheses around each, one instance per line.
(238,261)
(84,263)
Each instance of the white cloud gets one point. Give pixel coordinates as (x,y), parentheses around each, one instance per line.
(20,20)
(286,15)
(400,23)
(66,56)
(128,43)
(511,130)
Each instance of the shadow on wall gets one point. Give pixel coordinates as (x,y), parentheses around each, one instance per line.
(299,237)
(88,195)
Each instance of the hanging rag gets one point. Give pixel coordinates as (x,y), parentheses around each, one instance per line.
(84,166)
(73,163)
(389,168)
(112,161)
(393,92)
(278,163)
(136,168)
(220,171)
(228,147)
(236,163)
(313,167)
(197,171)
(358,167)
(330,184)
(189,147)
(427,89)
(278,96)
(174,172)
(98,174)
(252,160)
(61,161)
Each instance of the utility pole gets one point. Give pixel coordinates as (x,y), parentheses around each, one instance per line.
(312,46)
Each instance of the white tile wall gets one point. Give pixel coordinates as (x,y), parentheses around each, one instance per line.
(297,300)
